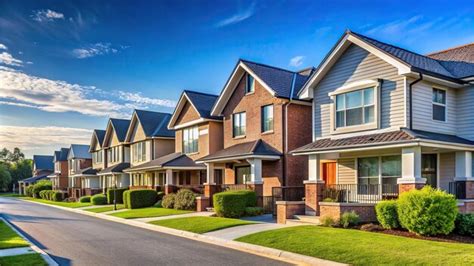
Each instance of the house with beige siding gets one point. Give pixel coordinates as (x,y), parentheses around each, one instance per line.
(82,177)
(99,157)
(386,120)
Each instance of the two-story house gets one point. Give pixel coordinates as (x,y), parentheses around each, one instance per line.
(149,140)
(99,157)
(262,121)
(43,166)
(59,178)
(82,177)
(116,155)
(386,120)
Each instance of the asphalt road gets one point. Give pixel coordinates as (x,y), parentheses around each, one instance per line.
(75,239)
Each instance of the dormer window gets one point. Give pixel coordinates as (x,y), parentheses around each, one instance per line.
(439,105)
(249,84)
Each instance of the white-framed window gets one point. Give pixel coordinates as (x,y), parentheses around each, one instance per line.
(439,105)
(139,152)
(379,170)
(191,139)
(267,118)
(249,84)
(355,108)
(113,154)
(238,124)
(97,157)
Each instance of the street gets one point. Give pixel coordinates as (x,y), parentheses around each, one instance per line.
(75,239)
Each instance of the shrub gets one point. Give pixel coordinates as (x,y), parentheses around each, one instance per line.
(328,221)
(329,200)
(427,211)
(99,199)
(158,204)
(160,195)
(387,214)
(140,198)
(85,199)
(110,195)
(254,211)
(465,224)
(168,201)
(126,198)
(42,194)
(40,186)
(57,196)
(233,203)
(349,219)
(29,191)
(185,200)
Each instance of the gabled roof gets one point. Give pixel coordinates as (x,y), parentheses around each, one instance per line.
(43,162)
(257,148)
(279,82)
(154,124)
(201,102)
(79,151)
(61,155)
(173,160)
(86,171)
(119,126)
(34,179)
(463,53)
(118,168)
(98,136)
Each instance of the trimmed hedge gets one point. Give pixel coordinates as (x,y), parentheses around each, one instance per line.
(185,200)
(57,196)
(29,191)
(427,211)
(99,199)
(387,214)
(140,198)
(465,224)
(85,199)
(168,201)
(233,203)
(40,186)
(110,195)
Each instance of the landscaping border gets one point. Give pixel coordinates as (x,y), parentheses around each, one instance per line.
(240,246)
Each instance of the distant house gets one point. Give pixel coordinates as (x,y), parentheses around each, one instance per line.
(82,177)
(59,177)
(42,167)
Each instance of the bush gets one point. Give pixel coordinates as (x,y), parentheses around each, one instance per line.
(160,195)
(349,219)
(233,203)
(328,221)
(40,186)
(329,200)
(465,224)
(185,200)
(85,199)
(42,194)
(140,198)
(387,214)
(50,194)
(158,204)
(99,199)
(427,211)
(110,195)
(168,201)
(57,196)
(126,198)
(253,211)
(29,191)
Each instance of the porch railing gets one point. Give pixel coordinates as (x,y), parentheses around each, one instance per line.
(198,189)
(357,193)
(295,193)
(458,189)
(226,187)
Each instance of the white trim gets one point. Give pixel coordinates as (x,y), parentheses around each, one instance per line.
(242,157)
(353,86)
(179,108)
(445,105)
(194,122)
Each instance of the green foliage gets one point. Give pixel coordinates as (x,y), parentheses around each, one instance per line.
(329,200)
(42,194)
(160,195)
(140,198)
(168,201)
(126,198)
(158,204)
(233,203)
(85,199)
(99,199)
(185,200)
(110,195)
(427,211)
(465,224)
(5,177)
(57,196)
(387,214)
(349,219)
(328,221)
(40,186)
(16,165)
(29,191)
(254,211)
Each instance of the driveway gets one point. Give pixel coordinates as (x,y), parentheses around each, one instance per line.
(75,239)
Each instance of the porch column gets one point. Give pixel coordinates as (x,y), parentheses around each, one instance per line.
(313,186)
(256,180)
(463,173)
(210,186)
(411,170)
(169,186)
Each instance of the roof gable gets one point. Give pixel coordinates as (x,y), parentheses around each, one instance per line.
(197,102)
(151,124)
(97,140)
(116,131)
(79,151)
(43,162)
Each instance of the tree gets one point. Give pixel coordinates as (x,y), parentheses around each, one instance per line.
(5,177)
(4,154)
(16,155)
(20,170)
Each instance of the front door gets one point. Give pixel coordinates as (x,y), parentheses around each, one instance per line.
(429,169)
(329,173)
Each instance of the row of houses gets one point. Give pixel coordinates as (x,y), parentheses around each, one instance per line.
(373,120)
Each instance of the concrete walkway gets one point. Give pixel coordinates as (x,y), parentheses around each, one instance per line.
(16,251)
(192,214)
(242,230)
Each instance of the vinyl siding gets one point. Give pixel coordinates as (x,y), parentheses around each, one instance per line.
(346,171)
(354,65)
(447,166)
(464,108)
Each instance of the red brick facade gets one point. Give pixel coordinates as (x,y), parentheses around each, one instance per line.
(287,209)
(334,210)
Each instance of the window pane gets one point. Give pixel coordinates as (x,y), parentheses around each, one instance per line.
(368,167)
(267,118)
(340,118)
(340,102)
(439,112)
(249,84)
(369,114)
(354,99)
(369,96)
(391,166)
(439,96)
(354,117)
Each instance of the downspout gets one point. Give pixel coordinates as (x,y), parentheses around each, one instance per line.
(285,132)
(410,92)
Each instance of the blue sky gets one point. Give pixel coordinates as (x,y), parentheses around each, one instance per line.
(66,66)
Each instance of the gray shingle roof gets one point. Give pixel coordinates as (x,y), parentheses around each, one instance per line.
(34,179)
(154,123)
(87,171)
(251,148)
(170,160)
(121,127)
(203,103)
(79,151)
(43,162)
(100,135)
(118,168)
(464,53)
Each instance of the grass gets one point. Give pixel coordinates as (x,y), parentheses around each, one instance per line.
(23,260)
(148,212)
(9,238)
(105,208)
(201,225)
(362,248)
(11,195)
(61,203)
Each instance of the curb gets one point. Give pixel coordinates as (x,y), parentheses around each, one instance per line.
(272,253)
(43,254)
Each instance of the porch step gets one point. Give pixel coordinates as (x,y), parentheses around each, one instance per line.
(305,219)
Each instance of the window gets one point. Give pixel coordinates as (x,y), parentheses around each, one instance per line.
(238,121)
(267,118)
(139,151)
(97,156)
(190,139)
(249,84)
(355,108)
(391,169)
(113,154)
(439,105)
(368,170)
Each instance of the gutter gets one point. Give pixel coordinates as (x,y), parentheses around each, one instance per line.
(410,91)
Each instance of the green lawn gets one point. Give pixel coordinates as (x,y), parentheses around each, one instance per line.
(105,208)
(11,195)
(362,248)
(201,225)
(147,212)
(23,260)
(10,239)
(60,203)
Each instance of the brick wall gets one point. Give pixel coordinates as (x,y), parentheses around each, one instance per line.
(287,209)
(366,212)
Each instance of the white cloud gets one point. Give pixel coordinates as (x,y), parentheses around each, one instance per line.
(3,46)
(46,15)
(8,59)
(296,61)
(94,50)
(42,140)
(139,99)
(238,17)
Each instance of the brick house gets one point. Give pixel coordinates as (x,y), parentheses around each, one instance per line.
(82,177)
(59,178)
(98,154)
(43,166)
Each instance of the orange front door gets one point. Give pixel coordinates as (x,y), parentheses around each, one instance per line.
(329,173)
